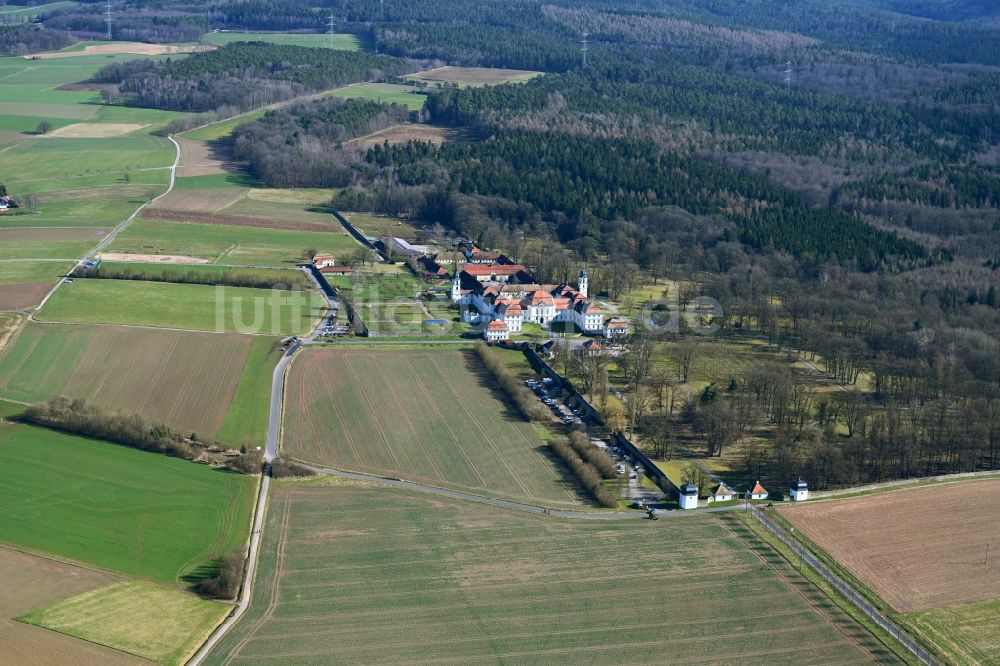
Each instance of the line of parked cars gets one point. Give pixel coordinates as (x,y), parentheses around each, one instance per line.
(624,461)
(545,390)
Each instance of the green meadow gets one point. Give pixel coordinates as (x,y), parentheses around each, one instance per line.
(246,420)
(31,272)
(48,164)
(342,41)
(184,306)
(247,246)
(140,618)
(37,9)
(390,93)
(116,508)
(62,209)
(223,128)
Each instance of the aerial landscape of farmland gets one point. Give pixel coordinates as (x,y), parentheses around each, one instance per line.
(577,332)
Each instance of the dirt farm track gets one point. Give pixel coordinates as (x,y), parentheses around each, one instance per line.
(920,548)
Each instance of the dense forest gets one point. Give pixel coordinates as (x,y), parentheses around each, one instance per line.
(243,75)
(297,146)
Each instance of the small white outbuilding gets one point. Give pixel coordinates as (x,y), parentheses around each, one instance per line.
(688,496)
(799,491)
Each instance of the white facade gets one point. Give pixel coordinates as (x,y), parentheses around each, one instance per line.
(323,261)
(799,491)
(537,304)
(496,331)
(688,498)
(512,316)
(540,313)
(582,283)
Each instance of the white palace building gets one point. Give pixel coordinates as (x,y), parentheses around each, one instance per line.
(495,293)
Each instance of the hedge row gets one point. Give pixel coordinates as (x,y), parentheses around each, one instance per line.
(79,418)
(600,460)
(522,396)
(586,474)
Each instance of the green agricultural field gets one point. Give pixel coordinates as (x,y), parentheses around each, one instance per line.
(131,617)
(215,181)
(53,164)
(192,381)
(185,306)
(469,77)
(82,208)
(246,420)
(231,245)
(346,42)
(37,9)
(381,225)
(429,416)
(310,213)
(24,284)
(223,128)
(49,242)
(360,575)
(391,93)
(137,513)
(966,634)
(27,272)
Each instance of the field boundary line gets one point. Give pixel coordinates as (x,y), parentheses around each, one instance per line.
(70,562)
(903,484)
(500,502)
(865,606)
(793,587)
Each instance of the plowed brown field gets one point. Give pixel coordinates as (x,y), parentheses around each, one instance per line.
(22,296)
(919,548)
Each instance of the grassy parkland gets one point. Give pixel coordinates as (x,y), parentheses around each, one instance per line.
(360,575)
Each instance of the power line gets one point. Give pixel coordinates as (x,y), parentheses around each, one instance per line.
(329,31)
(788,76)
(583,50)
(107,18)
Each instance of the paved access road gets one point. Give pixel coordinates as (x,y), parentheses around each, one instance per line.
(507,504)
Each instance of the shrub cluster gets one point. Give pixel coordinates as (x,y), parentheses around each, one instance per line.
(586,473)
(225,584)
(522,396)
(228,278)
(591,454)
(79,418)
(283,469)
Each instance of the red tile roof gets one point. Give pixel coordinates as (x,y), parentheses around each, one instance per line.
(496,325)
(489,269)
(758,489)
